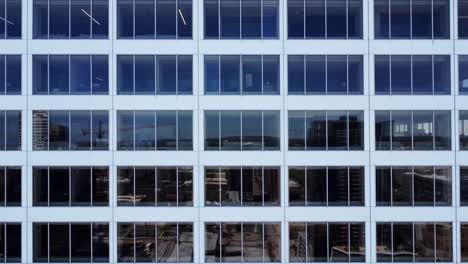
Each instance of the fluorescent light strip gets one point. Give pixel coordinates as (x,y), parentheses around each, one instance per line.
(95,21)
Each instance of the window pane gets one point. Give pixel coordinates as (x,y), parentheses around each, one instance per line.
(80,243)
(13,243)
(442,74)
(382,74)
(145,186)
(125,242)
(296,130)
(125,186)
(59,129)
(401,130)
(271,74)
(315,18)
(125,19)
(230,130)
(2,196)
(252,74)
(59,19)
(40,19)
(125,132)
(444,242)
(211,12)
(423,130)
(212,242)
(167,186)
(80,13)
(401,73)
(144,74)
(356,130)
(40,242)
(271,186)
(14,16)
(184,130)
(356,186)
(462,128)
(338,190)
(270,18)
(421,18)
(402,185)
(443,186)
(58,74)
(167,70)
(41,74)
(336,74)
(384,242)
(212,130)
(212,185)
(13,130)
(382,130)
(125,80)
(2,68)
(383,186)
(422,73)
(230,19)
(441,18)
(13,74)
(424,242)
(230,74)
(336,19)
(230,187)
(295,74)
(166,130)
(144,19)
(80,130)
(252,239)
(100,23)
(297,236)
(184,74)
(464,241)
(212,74)
(80,74)
(354,18)
(2,25)
(145,130)
(166,235)
(338,243)
(442,130)
(2,130)
(357,242)
(316,122)
(185,186)
(231,242)
(297,186)
(40,130)
(317,186)
(185,243)
(40,186)
(100,130)
(59,186)
(355,75)
(166,19)
(317,242)
(145,238)
(316,74)
(403,242)
(13,186)
(337,128)
(251,18)
(251,130)
(59,242)
(401,19)
(272,241)
(462,19)
(252,186)
(80,186)
(100,191)
(296,19)
(184,19)
(424,186)
(100,242)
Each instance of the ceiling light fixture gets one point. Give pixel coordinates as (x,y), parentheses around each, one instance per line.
(94,20)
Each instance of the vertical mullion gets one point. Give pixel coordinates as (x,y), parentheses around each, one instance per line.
(412,136)
(48,186)
(326,130)
(391,130)
(326,185)
(241,79)
(134,79)
(177,186)
(305,186)
(261,25)
(261,63)
(69,187)
(240,19)
(241,134)
(219,28)
(48,242)
(391,185)
(91,240)
(305,73)
(412,185)
(155,61)
(177,239)
(155,186)
(305,130)
(241,186)
(263,130)
(92,186)
(347,31)
(69,74)
(389,69)
(134,241)
(411,28)
(5,68)
(390,30)
(347,57)
(347,130)
(177,74)
(433,131)
(304,18)
(69,241)
(242,242)
(219,129)
(349,189)
(411,72)
(69,28)
(432,73)
(134,130)
(155,130)
(91,35)
(413,243)
(434,185)
(134,186)
(48,74)
(219,187)
(177,33)
(69,129)
(48,19)
(91,60)
(391,238)
(177,129)
(91,119)
(134,35)
(326,74)
(155,26)
(326,37)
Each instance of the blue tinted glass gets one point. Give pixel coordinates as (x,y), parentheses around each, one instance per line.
(315,74)
(463,74)
(80,130)
(125,74)
(271,130)
(382,74)
(100,130)
(422,134)
(401,19)
(80,74)
(252,74)
(442,130)
(295,18)
(184,18)
(252,130)
(2,74)
(462,19)
(184,74)
(13,26)
(166,74)
(80,20)
(59,129)
(296,130)
(316,130)
(2,130)
(58,74)
(230,130)
(337,130)
(336,19)
(184,130)
(100,74)
(441,18)
(40,19)
(354,18)
(145,130)
(401,73)
(211,19)
(13,130)
(336,74)
(166,130)
(125,132)
(40,74)
(270,18)
(100,19)
(144,19)
(381,18)
(125,18)
(422,74)
(271,75)
(401,130)
(422,18)
(211,74)
(355,75)
(211,130)
(2,22)
(144,74)
(251,19)
(442,74)
(230,74)
(295,74)
(166,19)
(382,130)
(315,18)
(230,18)
(13,74)
(59,19)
